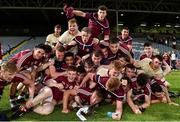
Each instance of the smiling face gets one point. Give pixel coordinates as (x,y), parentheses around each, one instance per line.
(125,33)
(114,48)
(73,28)
(38,53)
(148,50)
(7,76)
(156,63)
(69,60)
(71,76)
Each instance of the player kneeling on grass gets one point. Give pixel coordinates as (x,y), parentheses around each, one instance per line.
(160,93)
(138,97)
(82,96)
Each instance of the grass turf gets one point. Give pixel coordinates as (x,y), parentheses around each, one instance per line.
(156,112)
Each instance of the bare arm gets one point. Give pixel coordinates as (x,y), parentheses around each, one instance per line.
(54,74)
(66,96)
(146,104)
(131,104)
(119,109)
(79,13)
(167,68)
(44,66)
(87,78)
(31,87)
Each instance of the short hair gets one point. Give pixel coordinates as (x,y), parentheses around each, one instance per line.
(114,40)
(69,54)
(116,65)
(147,44)
(89,61)
(97,53)
(45,47)
(81,69)
(99,93)
(142,79)
(159,57)
(102,7)
(60,49)
(57,26)
(72,21)
(86,29)
(102,46)
(155,87)
(126,78)
(72,68)
(130,66)
(9,67)
(113,83)
(126,57)
(125,28)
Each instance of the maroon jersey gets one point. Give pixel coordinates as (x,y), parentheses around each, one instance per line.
(124,42)
(97,26)
(84,48)
(19,78)
(118,94)
(57,93)
(84,94)
(112,57)
(139,93)
(143,56)
(160,83)
(25,60)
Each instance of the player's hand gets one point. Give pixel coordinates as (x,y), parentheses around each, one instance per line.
(136,110)
(29,103)
(76,87)
(60,86)
(51,62)
(68,11)
(116,116)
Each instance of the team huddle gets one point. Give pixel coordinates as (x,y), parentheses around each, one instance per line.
(77,69)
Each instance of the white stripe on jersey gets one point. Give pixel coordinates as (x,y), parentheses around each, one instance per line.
(82,91)
(21,60)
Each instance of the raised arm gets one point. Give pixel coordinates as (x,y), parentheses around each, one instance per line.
(79,13)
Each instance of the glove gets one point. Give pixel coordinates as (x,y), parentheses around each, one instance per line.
(68,11)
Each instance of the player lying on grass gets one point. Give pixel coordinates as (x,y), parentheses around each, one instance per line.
(138,97)
(82,96)
(159,93)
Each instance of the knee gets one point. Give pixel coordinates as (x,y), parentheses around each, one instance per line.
(47,90)
(47,111)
